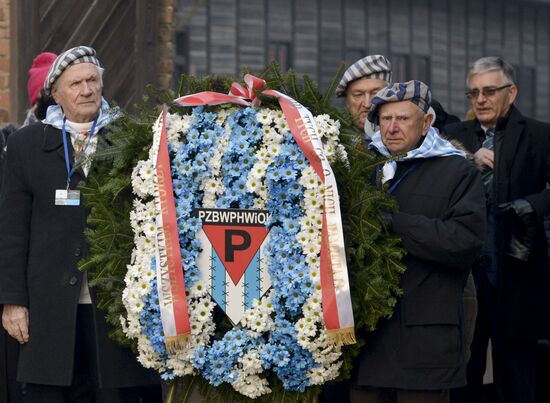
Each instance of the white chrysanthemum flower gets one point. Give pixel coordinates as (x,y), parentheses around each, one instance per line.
(273,150)
(147,355)
(248,382)
(142,287)
(251,386)
(149,229)
(264,116)
(135,305)
(269,132)
(222,115)
(198,290)
(143,184)
(282,125)
(133,328)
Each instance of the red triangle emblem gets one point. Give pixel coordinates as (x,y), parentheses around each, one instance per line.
(236,245)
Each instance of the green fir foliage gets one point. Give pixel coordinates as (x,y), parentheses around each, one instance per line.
(373,253)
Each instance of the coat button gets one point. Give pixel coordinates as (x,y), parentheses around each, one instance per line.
(73,280)
(77,252)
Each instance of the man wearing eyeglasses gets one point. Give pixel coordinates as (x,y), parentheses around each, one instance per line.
(512,274)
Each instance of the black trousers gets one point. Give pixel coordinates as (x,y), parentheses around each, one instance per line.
(10,390)
(387,395)
(513,360)
(84,387)
(514,371)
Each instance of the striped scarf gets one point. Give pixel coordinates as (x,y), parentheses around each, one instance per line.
(55,116)
(432,146)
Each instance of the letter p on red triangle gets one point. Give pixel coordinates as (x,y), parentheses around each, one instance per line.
(236,245)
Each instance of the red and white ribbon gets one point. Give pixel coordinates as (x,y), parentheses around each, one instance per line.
(337,307)
(170,282)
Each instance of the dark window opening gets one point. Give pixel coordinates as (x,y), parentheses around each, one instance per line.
(181,59)
(281,53)
(526,83)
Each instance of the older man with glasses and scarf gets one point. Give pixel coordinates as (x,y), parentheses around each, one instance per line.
(512,273)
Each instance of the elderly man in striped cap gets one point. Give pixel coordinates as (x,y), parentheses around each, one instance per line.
(65,353)
(361,81)
(419,353)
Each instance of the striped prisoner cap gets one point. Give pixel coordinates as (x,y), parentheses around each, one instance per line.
(79,54)
(415,91)
(374,66)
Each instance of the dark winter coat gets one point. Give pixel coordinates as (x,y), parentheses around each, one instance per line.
(40,245)
(442,221)
(522,171)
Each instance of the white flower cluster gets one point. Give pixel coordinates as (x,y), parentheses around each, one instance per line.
(274,125)
(258,319)
(202,328)
(311,221)
(177,127)
(139,278)
(248,381)
(328,131)
(312,336)
(212,185)
(143,182)
(311,330)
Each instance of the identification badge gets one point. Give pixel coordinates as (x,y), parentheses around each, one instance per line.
(67,197)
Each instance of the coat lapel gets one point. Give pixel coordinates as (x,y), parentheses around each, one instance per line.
(511,130)
(53,142)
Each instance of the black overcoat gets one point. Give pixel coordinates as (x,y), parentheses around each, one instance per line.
(40,245)
(442,221)
(522,171)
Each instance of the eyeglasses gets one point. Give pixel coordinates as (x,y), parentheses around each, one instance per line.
(486,91)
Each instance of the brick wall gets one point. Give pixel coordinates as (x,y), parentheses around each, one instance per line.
(5,105)
(165,64)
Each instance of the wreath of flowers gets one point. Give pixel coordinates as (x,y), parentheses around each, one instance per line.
(280,352)
(238,158)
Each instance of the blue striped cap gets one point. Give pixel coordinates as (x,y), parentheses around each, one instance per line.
(373,66)
(79,54)
(415,91)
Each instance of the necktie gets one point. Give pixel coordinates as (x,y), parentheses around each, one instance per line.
(489,248)
(489,138)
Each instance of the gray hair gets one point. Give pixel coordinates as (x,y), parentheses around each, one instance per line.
(493,63)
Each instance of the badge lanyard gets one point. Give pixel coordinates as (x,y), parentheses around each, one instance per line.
(70,171)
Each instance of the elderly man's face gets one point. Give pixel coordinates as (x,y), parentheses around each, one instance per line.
(489,108)
(402,125)
(359,95)
(78,92)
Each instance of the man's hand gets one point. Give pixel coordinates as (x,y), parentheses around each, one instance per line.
(485,157)
(524,228)
(15,319)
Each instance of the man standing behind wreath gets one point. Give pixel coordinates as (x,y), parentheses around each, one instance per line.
(65,354)
(360,83)
(420,352)
(512,274)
